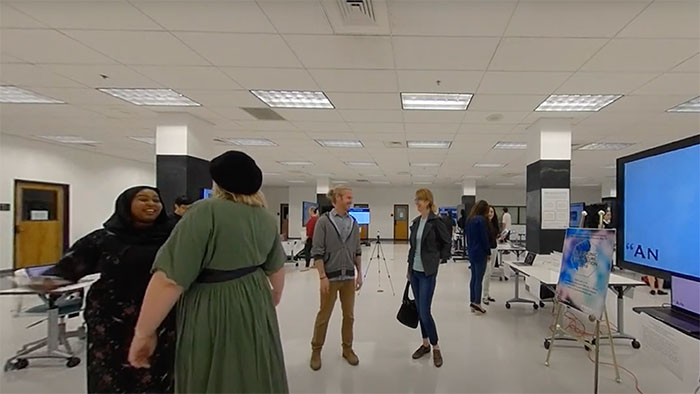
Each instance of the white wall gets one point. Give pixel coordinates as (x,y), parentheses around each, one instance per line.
(95,180)
(276,195)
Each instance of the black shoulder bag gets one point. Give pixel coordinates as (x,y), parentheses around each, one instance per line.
(408,313)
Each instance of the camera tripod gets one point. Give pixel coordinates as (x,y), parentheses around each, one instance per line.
(378,253)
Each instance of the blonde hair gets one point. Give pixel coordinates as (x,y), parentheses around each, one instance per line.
(254,200)
(337,191)
(427,195)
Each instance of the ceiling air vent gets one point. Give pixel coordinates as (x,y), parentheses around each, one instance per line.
(368,17)
(263,113)
(395,144)
(357,12)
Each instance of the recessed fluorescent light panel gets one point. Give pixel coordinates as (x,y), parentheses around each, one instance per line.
(689,106)
(605,146)
(145,140)
(510,145)
(422,183)
(293,99)
(361,163)
(340,143)
(489,165)
(381,182)
(436,101)
(246,141)
(295,181)
(296,163)
(577,102)
(429,144)
(15,95)
(69,139)
(425,164)
(151,97)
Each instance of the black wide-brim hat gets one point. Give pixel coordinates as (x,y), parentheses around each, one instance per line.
(236,172)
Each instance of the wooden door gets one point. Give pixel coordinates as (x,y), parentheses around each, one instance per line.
(284,221)
(401,222)
(41,219)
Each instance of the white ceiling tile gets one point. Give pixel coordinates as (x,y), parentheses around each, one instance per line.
(28,75)
(417,116)
(449,18)
(118,76)
(314,115)
(297,16)
(450,81)
(506,117)
(604,82)
(380,138)
(475,129)
(443,53)
(107,15)
(669,84)
(374,101)
(326,51)
(630,55)
(429,128)
(355,80)
(244,50)
(673,19)
(544,54)
(371,115)
(691,65)
(272,78)
(267,125)
(327,127)
(376,127)
(505,82)
(571,19)
(55,48)
(139,47)
(12,18)
(505,102)
(208,16)
(189,77)
(648,103)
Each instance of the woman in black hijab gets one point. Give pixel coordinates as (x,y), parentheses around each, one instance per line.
(123,253)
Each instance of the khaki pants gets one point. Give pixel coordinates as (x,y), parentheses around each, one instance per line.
(346,289)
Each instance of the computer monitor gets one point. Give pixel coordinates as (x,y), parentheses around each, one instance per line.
(658,197)
(685,295)
(361,215)
(206,193)
(576,211)
(452,211)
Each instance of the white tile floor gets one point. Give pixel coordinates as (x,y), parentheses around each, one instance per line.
(500,352)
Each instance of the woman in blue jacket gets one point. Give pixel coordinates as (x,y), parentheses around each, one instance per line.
(479,250)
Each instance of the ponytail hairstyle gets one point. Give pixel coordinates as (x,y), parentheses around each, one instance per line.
(427,195)
(337,191)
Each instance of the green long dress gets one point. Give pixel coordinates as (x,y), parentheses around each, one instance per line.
(228,337)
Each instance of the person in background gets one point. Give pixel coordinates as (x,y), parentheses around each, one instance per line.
(507,223)
(478,246)
(338,255)
(182,204)
(462,220)
(607,220)
(122,252)
(224,263)
(491,260)
(657,286)
(450,225)
(431,243)
(310,227)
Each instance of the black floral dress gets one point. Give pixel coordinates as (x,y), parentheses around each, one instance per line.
(113,306)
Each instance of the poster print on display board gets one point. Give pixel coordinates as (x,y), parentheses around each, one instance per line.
(585,269)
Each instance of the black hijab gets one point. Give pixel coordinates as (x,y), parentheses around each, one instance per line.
(121,223)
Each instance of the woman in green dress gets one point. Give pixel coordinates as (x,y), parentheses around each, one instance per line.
(224,263)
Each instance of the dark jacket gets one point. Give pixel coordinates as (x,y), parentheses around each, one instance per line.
(477,239)
(436,244)
(449,222)
(493,235)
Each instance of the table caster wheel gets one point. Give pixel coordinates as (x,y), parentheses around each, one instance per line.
(507,305)
(17,364)
(636,344)
(541,304)
(500,279)
(535,306)
(588,348)
(506,278)
(72,362)
(547,344)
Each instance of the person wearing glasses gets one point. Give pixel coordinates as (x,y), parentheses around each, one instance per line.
(430,244)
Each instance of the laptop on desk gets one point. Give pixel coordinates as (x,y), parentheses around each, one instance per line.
(684,313)
(529,259)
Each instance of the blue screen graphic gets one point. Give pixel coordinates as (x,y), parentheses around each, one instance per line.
(361,215)
(662,211)
(576,211)
(206,193)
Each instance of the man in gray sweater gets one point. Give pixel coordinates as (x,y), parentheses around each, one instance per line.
(338,256)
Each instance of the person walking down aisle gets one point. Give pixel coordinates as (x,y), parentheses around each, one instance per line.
(507,223)
(338,255)
(479,251)
(310,227)
(491,260)
(123,253)
(430,244)
(224,262)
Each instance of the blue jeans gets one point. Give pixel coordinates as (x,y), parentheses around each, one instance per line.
(423,289)
(478,268)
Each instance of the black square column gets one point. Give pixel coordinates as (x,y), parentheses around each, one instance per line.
(544,174)
(179,175)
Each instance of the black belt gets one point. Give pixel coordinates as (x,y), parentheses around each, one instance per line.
(215,276)
(336,274)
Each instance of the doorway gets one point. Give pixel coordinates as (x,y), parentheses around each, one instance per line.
(41,223)
(401,222)
(284,221)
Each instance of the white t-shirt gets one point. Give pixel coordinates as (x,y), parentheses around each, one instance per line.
(507,221)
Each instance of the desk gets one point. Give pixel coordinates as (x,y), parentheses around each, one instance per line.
(507,247)
(548,276)
(52,340)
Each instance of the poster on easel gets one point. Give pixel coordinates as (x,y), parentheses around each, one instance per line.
(587,259)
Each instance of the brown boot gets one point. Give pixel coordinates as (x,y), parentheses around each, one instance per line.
(422,351)
(351,357)
(315,360)
(437,358)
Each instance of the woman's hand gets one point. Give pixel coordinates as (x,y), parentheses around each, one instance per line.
(141,350)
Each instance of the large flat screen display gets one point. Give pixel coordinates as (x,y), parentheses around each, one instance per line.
(361,215)
(575,212)
(659,200)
